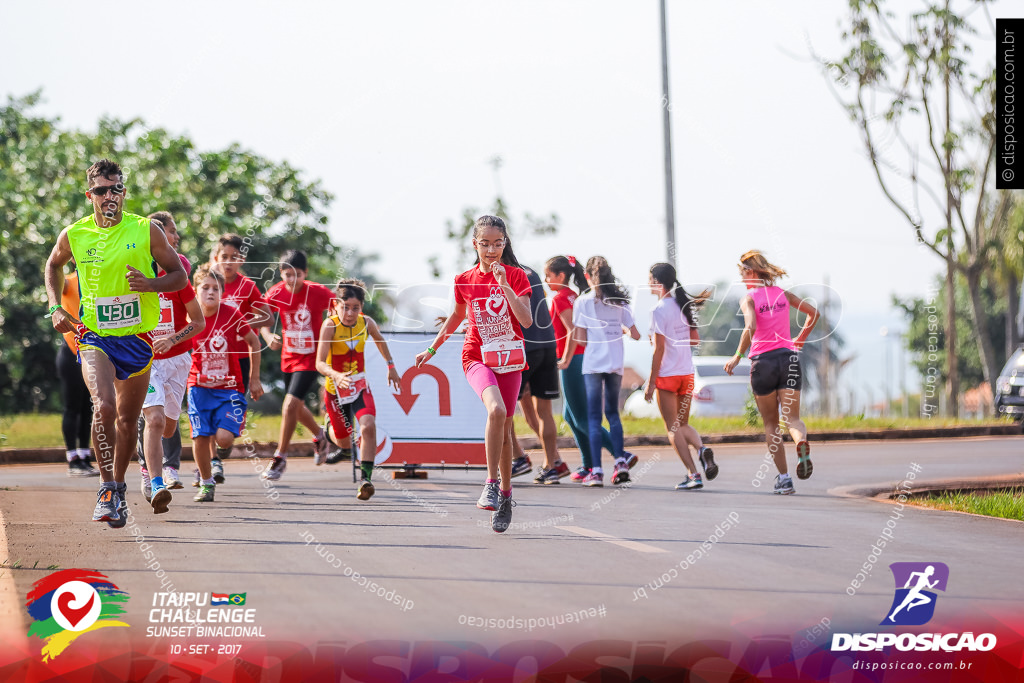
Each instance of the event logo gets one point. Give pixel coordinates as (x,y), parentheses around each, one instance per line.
(914,602)
(496,303)
(70,603)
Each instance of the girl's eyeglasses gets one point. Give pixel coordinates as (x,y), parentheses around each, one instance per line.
(500,244)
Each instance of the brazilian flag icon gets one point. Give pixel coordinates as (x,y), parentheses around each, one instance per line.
(237,598)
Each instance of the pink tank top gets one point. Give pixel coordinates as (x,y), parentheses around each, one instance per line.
(771,309)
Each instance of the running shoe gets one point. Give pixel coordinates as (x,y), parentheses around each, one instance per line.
(320,448)
(276,469)
(539,479)
(593,479)
(365,490)
(804,467)
(195,481)
(338,455)
(218,470)
(561,469)
(87,468)
(161,499)
(549,476)
(621,473)
(171,480)
(205,494)
(501,520)
(76,468)
(691,483)
(490,498)
(631,459)
(521,466)
(106,505)
(120,490)
(707,462)
(784,485)
(147,488)
(580,474)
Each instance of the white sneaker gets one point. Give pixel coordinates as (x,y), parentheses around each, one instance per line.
(146,484)
(171,480)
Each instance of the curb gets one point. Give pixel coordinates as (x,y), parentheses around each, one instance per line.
(883,493)
(24,456)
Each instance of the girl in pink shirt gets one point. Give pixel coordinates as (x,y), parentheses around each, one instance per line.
(775,374)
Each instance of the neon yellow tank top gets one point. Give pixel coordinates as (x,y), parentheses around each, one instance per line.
(109,308)
(347,346)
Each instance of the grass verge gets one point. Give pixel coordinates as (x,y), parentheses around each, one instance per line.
(1008,504)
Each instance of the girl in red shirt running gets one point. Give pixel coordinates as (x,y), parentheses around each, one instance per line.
(495,294)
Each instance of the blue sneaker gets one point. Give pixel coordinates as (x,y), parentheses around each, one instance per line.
(120,490)
(106,505)
(501,520)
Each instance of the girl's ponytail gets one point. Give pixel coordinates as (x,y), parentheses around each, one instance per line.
(665,275)
(570,267)
(606,287)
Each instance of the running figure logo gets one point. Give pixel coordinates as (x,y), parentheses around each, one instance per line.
(914,602)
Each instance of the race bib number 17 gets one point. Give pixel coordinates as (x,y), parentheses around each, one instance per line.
(115,312)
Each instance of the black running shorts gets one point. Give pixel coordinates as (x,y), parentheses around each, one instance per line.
(541,377)
(774,370)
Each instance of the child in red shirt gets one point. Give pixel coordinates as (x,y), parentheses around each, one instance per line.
(301,306)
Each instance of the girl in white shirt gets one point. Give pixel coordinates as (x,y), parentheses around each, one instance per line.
(674,329)
(601,318)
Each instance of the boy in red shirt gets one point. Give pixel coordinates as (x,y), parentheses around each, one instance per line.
(301,305)
(216,402)
(241,292)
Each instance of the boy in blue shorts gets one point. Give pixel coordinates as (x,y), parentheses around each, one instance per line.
(216,391)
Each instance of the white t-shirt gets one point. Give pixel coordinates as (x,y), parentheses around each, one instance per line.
(603,323)
(668,320)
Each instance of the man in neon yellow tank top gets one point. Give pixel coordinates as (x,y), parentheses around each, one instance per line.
(117,255)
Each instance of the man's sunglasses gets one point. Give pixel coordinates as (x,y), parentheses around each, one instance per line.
(102,191)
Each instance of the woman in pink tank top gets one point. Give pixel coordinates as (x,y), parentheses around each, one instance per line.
(775,373)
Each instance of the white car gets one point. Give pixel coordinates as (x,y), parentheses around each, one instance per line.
(715,394)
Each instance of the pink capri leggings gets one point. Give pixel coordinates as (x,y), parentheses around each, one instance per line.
(480,377)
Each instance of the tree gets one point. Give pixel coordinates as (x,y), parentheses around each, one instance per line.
(907,86)
(210,193)
(926,331)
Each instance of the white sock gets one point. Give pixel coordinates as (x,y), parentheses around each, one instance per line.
(209,482)
(279,454)
(597,470)
(72,456)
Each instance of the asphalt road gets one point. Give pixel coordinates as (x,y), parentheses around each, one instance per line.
(628,554)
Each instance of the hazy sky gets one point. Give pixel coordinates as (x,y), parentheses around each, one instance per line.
(397,107)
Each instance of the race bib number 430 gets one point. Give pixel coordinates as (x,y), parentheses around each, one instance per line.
(115,312)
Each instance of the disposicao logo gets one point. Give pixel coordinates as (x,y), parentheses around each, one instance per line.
(70,603)
(914,605)
(914,584)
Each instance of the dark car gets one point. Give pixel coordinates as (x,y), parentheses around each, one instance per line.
(1010,386)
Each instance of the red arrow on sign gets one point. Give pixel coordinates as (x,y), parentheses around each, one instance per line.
(406,398)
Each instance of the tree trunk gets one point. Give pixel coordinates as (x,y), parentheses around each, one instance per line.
(1012,305)
(988,356)
(952,371)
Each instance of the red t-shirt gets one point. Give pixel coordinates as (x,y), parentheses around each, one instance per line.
(302,315)
(174,316)
(487,310)
(563,301)
(242,294)
(218,348)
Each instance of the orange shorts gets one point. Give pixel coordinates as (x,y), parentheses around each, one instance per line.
(677,384)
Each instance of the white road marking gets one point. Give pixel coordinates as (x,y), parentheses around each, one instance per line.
(631,545)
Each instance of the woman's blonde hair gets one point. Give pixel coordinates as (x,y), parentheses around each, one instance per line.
(768,272)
